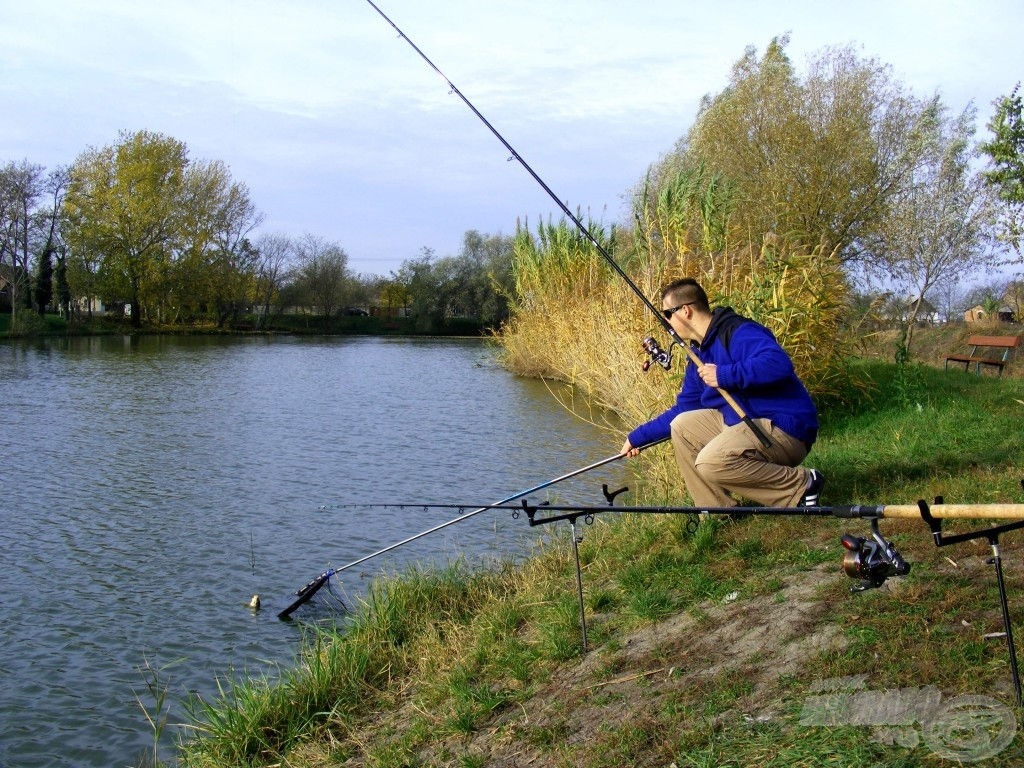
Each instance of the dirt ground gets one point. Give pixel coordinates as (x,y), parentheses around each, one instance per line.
(762,639)
(758,639)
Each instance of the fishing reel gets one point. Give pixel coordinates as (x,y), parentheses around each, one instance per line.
(872,560)
(656,353)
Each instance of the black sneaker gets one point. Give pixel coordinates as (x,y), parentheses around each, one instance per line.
(812,496)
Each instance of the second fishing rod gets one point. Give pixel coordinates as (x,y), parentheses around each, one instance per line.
(656,353)
(304,594)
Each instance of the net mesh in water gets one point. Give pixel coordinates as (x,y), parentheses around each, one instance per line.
(322,599)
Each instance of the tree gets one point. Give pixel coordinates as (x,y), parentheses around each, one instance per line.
(124,208)
(476,284)
(273,255)
(22,186)
(62,287)
(43,288)
(394,294)
(813,160)
(1013,297)
(150,227)
(1006,157)
(48,224)
(951,300)
(487,260)
(939,227)
(219,267)
(424,291)
(365,290)
(323,269)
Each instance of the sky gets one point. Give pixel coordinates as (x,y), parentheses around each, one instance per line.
(339,129)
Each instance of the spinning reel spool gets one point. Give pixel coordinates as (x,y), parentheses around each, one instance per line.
(873,560)
(656,354)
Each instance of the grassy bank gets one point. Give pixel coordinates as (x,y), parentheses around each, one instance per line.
(706,645)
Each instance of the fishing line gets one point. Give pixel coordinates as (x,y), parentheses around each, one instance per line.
(584,230)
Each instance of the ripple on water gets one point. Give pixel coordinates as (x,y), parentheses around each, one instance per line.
(161,482)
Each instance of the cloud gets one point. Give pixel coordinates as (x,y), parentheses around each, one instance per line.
(338,127)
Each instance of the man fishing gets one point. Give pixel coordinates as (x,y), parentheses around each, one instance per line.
(717,455)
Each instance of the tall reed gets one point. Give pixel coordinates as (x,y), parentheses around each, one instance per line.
(575,320)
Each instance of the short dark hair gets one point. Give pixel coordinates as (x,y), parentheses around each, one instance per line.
(686,290)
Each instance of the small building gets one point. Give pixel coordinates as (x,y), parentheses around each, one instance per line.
(976,314)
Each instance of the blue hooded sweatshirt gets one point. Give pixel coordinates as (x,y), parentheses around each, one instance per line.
(754,369)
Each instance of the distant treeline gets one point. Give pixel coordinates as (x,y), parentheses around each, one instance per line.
(139,230)
(788,193)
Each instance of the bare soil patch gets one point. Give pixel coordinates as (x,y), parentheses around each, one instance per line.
(757,640)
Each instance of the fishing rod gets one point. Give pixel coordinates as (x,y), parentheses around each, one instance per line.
(587,234)
(310,589)
(1008,511)
(871,559)
(874,559)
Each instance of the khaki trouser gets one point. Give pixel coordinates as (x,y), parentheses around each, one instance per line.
(718,462)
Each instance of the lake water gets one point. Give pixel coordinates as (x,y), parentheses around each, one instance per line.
(152,485)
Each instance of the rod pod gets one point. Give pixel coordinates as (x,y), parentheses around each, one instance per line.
(992,534)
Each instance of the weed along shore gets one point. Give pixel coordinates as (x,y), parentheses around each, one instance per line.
(712,640)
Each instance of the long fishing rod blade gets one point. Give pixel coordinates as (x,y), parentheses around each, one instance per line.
(424,506)
(583,229)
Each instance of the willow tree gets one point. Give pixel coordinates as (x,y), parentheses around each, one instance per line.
(941,226)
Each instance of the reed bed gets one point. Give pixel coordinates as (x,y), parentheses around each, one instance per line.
(576,321)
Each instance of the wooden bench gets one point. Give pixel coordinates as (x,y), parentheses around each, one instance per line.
(985,350)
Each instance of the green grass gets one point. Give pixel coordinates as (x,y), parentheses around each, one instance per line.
(439,667)
(921,433)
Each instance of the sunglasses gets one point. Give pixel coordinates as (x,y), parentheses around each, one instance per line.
(671,311)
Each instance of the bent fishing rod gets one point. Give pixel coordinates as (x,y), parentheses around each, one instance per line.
(305,593)
(662,320)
